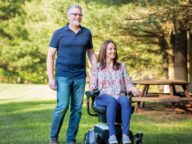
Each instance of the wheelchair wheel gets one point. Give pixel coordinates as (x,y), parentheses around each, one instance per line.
(131,136)
(139,138)
(139,142)
(103,142)
(99,139)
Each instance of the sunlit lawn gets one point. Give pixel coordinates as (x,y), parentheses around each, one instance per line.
(29,123)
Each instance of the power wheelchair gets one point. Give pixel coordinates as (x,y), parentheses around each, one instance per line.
(100,133)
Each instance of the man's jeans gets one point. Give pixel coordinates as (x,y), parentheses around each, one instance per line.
(68,90)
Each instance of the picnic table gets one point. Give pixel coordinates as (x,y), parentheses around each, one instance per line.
(173,96)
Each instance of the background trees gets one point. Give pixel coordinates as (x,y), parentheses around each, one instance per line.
(154,38)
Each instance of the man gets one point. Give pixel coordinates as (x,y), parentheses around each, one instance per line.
(71,43)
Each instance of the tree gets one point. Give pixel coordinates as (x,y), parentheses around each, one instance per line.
(155,24)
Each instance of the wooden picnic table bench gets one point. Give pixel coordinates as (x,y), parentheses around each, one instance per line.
(173,96)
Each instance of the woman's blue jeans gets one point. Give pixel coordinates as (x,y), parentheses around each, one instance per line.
(111,103)
(68,91)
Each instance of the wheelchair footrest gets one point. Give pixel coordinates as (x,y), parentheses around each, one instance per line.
(102,129)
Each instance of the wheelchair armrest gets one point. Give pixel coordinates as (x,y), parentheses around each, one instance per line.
(91,95)
(130,95)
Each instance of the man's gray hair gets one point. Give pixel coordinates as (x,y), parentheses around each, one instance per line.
(72,7)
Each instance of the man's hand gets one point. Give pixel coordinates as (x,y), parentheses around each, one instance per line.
(50,66)
(92,56)
(52,84)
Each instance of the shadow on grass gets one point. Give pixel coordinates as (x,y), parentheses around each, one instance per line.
(167,138)
(29,123)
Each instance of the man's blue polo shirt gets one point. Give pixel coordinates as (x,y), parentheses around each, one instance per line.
(71,51)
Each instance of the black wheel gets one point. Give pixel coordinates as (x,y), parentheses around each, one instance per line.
(139,142)
(139,138)
(101,140)
(131,136)
(97,138)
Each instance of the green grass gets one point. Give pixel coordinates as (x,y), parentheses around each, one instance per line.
(29,123)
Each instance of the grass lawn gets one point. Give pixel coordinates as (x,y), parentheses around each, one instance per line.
(29,123)
(26,111)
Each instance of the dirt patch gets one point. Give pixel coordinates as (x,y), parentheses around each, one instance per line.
(164,112)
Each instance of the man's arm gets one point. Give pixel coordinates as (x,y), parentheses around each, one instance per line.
(92,56)
(50,67)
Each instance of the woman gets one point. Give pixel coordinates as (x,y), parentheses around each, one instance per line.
(112,80)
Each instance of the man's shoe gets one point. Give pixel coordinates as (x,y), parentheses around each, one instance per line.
(112,140)
(125,139)
(54,142)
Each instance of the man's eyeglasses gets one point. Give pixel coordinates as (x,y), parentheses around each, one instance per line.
(77,14)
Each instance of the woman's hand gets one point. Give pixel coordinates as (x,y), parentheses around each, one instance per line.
(136,92)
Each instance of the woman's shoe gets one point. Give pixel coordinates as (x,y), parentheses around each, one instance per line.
(112,140)
(125,139)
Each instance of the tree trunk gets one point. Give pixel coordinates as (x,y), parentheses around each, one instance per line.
(190,56)
(163,47)
(171,72)
(180,51)
(167,46)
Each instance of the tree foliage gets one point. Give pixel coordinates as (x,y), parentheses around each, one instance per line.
(26,27)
